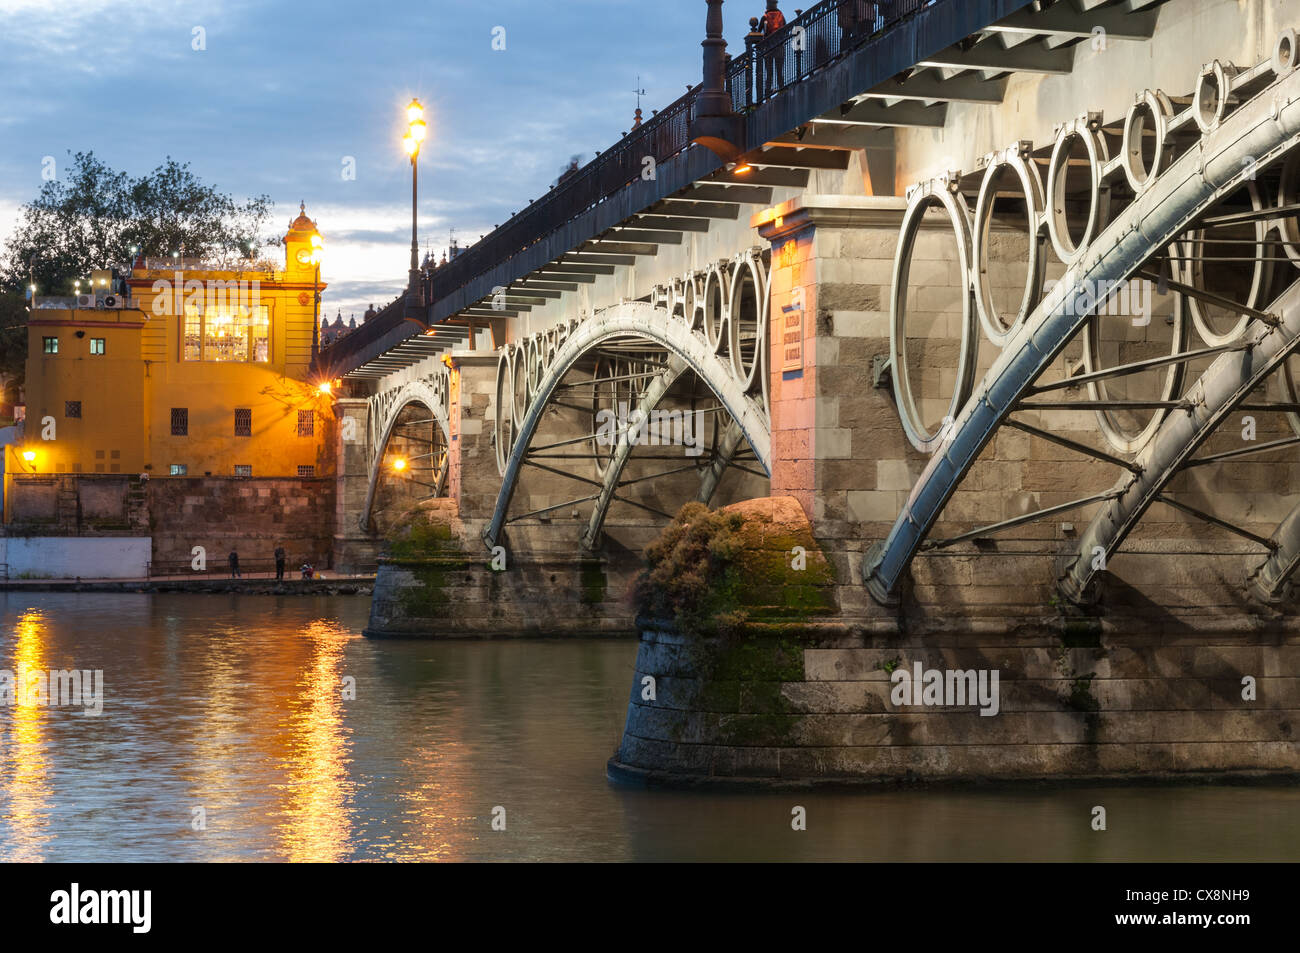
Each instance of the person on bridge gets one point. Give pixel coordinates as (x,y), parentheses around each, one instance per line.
(279,562)
(856,17)
(233,559)
(774,62)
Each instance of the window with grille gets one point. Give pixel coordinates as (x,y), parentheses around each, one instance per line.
(50,345)
(180,421)
(243,470)
(179,469)
(96,345)
(306,471)
(243,422)
(72,409)
(306,423)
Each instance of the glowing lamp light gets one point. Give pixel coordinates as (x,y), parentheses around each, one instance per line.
(743,169)
(399,464)
(325,388)
(29,456)
(410,145)
(414,112)
(419,130)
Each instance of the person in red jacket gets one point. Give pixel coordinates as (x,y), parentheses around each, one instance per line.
(774,62)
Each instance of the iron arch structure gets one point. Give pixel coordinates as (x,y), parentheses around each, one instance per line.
(432,392)
(662,342)
(1182,167)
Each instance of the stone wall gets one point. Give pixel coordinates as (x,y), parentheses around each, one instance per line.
(252,515)
(820,707)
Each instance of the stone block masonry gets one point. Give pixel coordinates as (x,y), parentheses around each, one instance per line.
(252,515)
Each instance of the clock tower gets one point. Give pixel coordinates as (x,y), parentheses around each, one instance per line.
(301,243)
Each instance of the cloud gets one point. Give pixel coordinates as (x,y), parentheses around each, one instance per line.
(265,110)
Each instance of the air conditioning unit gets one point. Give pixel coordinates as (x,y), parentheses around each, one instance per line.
(85,301)
(112,301)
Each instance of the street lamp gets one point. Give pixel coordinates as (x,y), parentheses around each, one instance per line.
(417,130)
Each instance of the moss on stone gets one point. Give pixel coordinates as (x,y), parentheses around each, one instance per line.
(420,535)
(711,572)
(594,582)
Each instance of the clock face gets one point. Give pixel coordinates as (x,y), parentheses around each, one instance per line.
(304,256)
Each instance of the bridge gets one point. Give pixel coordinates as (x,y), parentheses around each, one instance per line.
(1003,293)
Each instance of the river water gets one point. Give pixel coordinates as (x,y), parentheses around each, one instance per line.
(226,735)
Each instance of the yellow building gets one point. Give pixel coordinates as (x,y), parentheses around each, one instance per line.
(190,373)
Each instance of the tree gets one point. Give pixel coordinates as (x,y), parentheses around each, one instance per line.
(91,218)
(93,215)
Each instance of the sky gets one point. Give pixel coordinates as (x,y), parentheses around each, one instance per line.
(283,99)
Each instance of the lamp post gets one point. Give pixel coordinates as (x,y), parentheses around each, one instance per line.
(416,131)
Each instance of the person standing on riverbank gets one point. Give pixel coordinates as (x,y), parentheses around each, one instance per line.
(279,562)
(233,559)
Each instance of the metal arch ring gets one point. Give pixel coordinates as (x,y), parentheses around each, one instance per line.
(1289,194)
(1161,109)
(1032,186)
(1284,52)
(920,200)
(1213,71)
(1058,226)
(505,394)
(746,264)
(714,322)
(536,358)
(601,455)
(518,382)
(1120,440)
(695,302)
(1258,282)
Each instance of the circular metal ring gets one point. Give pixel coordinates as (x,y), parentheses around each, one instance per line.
(519,379)
(1058,226)
(747,268)
(1126,441)
(697,303)
(1032,186)
(1211,100)
(533,365)
(504,409)
(1287,381)
(1195,274)
(922,198)
(603,388)
(1151,113)
(1289,194)
(715,316)
(1284,52)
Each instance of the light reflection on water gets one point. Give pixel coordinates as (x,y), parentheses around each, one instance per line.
(235,705)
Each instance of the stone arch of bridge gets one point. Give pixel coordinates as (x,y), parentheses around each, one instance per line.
(431,393)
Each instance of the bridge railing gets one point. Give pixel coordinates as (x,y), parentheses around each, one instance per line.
(808,43)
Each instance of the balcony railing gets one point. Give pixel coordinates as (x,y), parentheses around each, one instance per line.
(809,42)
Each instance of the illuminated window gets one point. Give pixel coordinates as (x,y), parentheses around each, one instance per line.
(51,345)
(227,333)
(72,409)
(243,470)
(179,469)
(193,334)
(96,345)
(306,423)
(243,422)
(180,421)
(306,471)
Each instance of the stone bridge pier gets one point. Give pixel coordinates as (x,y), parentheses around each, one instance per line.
(355,549)
(836,444)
